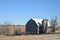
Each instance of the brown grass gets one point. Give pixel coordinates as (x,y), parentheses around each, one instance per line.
(32,37)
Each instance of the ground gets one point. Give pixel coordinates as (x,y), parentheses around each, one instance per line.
(32,37)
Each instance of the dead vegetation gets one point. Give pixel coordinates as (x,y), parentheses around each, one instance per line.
(32,37)
(12,29)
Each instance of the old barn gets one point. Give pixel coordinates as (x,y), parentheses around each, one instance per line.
(36,26)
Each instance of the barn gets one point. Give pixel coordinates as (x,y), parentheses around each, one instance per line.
(36,26)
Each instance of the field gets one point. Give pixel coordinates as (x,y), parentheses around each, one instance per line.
(32,37)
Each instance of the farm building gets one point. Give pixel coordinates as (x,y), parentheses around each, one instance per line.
(36,26)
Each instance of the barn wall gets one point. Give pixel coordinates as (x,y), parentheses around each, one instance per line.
(40,29)
(31,27)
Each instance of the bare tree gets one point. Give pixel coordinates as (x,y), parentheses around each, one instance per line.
(6,27)
(54,23)
(8,23)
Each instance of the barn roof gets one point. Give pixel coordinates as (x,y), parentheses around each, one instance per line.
(39,22)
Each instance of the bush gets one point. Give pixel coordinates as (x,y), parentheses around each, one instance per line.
(17,32)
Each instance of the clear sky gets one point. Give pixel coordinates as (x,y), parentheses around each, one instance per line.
(20,11)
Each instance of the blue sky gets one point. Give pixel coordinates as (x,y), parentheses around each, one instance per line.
(20,11)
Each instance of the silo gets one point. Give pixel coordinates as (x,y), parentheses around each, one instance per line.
(45,25)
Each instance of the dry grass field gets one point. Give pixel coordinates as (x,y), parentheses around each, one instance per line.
(32,37)
(28,37)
